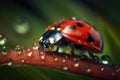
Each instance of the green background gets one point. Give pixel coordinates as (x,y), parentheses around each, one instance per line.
(23,20)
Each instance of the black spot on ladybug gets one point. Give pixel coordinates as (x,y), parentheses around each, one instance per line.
(72,27)
(90,38)
(79,24)
(57,26)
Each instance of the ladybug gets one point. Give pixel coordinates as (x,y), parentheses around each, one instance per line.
(74,32)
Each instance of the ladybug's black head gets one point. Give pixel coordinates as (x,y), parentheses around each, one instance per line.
(50,38)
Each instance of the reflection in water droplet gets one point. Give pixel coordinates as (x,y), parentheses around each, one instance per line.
(4,50)
(35,46)
(21,26)
(87,68)
(3,39)
(105,59)
(19,49)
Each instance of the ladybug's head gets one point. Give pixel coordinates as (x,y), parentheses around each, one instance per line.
(50,38)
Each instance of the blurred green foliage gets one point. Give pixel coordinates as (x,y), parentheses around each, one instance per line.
(23,20)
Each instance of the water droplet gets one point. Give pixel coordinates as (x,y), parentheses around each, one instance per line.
(21,26)
(74,18)
(105,59)
(64,60)
(29,54)
(102,69)
(9,63)
(65,68)
(65,56)
(118,70)
(22,60)
(55,58)
(35,46)
(3,39)
(4,50)
(95,59)
(83,57)
(75,59)
(42,62)
(86,65)
(43,57)
(41,52)
(116,67)
(29,50)
(76,65)
(88,70)
(19,49)
(113,73)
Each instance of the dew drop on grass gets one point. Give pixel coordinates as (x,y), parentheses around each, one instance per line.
(19,49)
(35,46)
(105,59)
(4,50)
(3,39)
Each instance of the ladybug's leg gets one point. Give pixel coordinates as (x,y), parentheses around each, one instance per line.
(83,56)
(72,51)
(57,49)
(94,57)
(90,54)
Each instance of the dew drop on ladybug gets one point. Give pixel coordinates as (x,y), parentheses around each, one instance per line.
(73,32)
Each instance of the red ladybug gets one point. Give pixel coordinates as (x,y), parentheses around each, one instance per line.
(74,32)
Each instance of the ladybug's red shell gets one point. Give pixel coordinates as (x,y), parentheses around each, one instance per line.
(81,33)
